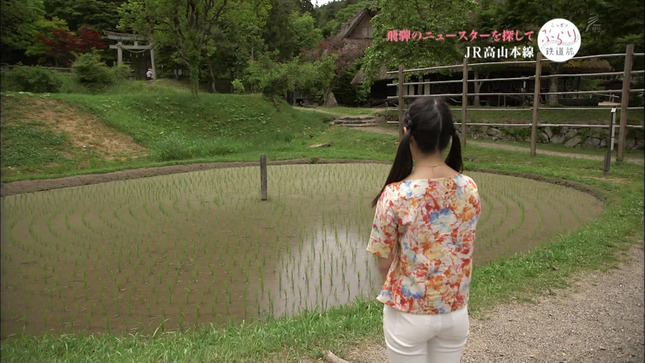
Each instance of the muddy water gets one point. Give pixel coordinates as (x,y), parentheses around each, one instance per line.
(186,250)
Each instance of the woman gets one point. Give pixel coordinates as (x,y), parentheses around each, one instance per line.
(423,234)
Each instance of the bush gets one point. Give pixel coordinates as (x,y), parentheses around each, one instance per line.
(122,72)
(31,79)
(238,86)
(91,71)
(276,79)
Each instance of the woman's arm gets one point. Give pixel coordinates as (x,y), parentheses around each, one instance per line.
(384,264)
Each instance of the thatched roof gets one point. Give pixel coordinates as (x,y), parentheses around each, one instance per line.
(360,77)
(348,28)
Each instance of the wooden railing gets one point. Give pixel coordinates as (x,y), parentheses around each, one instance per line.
(536,94)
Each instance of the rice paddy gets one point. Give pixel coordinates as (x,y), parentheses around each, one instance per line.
(181,251)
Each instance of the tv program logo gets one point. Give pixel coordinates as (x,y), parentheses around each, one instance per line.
(559,40)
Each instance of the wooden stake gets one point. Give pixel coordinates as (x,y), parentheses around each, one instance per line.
(401,101)
(464,101)
(624,100)
(263,175)
(536,102)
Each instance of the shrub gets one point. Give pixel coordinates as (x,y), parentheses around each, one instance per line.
(276,79)
(122,72)
(31,79)
(238,86)
(91,71)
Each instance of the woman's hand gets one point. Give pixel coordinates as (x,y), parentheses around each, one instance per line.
(384,264)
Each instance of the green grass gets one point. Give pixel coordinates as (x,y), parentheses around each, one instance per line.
(565,149)
(524,115)
(162,116)
(521,277)
(31,145)
(600,116)
(165,119)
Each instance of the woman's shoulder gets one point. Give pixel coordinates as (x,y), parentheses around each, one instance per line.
(464,180)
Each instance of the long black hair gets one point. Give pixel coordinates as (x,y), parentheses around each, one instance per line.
(428,119)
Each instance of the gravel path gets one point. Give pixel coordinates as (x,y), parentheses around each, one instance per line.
(598,319)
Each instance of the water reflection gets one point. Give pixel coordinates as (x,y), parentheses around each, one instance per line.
(330,267)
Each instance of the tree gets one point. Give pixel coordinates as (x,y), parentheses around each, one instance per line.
(97,15)
(187,23)
(235,41)
(64,46)
(288,30)
(331,27)
(617,25)
(275,79)
(38,48)
(17,27)
(435,16)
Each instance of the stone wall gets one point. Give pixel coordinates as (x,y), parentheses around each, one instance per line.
(570,136)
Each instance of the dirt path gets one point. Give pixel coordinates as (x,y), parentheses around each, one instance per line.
(598,319)
(382,130)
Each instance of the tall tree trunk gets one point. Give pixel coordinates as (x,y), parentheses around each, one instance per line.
(193,68)
(210,70)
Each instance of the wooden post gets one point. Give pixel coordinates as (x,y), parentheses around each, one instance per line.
(263,175)
(400,94)
(610,145)
(536,102)
(624,100)
(119,54)
(152,60)
(464,101)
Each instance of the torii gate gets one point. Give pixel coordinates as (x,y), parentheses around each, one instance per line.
(120,37)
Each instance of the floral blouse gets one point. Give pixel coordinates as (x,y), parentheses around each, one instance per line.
(433,222)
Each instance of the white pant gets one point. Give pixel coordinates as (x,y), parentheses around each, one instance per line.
(414,338)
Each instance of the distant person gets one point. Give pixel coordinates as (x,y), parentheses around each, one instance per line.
(149,75)
(424,234)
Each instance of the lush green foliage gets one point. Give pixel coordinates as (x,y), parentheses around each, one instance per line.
(289,29)
(97,15)
(91,71)
(613,30)
(18,30)
(238,86)
(187,24)
(31,79)
(276,79)
(408,15)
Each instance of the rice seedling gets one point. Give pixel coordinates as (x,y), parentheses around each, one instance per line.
(310,257)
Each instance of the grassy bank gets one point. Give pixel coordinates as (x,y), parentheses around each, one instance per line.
(520,277)
(164,125)
(173,128)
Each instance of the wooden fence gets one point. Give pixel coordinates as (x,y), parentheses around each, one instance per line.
(465,67)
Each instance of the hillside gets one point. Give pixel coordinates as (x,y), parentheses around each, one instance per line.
(141,125)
